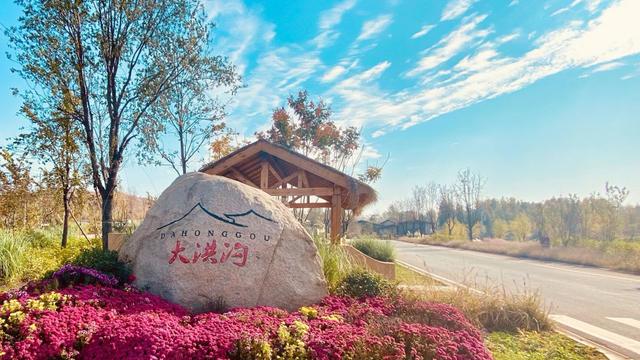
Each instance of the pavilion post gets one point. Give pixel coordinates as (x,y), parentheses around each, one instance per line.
(336,216)
(264,175)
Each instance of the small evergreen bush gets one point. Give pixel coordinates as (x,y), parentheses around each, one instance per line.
(360,283)
(104,261)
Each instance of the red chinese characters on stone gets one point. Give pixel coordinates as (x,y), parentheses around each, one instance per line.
(175,253)
(238,253)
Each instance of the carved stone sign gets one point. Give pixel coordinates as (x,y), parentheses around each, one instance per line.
(209,238)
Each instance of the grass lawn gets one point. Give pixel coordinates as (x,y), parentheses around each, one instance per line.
(406,276)
(546,345)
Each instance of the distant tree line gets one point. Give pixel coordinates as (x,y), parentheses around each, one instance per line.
(459,211)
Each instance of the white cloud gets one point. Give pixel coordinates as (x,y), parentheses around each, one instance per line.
(333,73)
(607,66)
(514,3)
(240,30)
(560,11)
(482,60)
(509,37)
(450,45)
(369,152)
(463,68)
(423,31)
(367,75)
(372,28)
(604,39)
(593,5)
(455,8)
(598,44)
(328,21)
(333,16)
(279,72)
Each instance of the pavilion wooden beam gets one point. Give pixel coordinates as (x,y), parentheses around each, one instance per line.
(274,172)
(305,180)
(224,164)
(285,180)
(240,177)
(319,205)
(302,192)
(295,198)
(276,167)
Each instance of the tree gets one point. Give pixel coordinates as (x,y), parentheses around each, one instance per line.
(188,117)
(447,208)
(615,196)
(419,202)
(432,197)
(16,185)
(500,228)
(224,144)
(109,62)
(520,227)
(308,129)
(425,204)
(469,187)
(52,141)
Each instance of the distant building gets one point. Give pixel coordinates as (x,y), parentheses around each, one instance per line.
(390,228)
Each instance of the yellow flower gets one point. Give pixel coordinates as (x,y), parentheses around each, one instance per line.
(333,317)
(301,328)
(309,312)
(10,306)
(16,318)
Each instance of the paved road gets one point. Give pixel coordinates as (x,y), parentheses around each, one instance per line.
(600,305)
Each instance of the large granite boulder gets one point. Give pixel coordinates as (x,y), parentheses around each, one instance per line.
(209,238)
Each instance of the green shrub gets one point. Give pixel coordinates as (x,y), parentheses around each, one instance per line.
(377,249)
(103,261)
(335,262)
(360,283)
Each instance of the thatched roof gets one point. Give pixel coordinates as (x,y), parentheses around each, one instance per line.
(246,164)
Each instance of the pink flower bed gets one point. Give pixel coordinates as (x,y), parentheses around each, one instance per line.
(103,322)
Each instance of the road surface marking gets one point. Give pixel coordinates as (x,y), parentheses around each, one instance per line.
(602,334)
(586,273)
(535,262)
(438,277)
(627,321)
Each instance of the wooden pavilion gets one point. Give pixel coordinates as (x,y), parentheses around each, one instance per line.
(298,180)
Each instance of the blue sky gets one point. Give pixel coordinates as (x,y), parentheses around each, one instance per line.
(540,97)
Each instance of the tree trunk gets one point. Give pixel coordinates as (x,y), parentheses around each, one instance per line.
(65,219)
(183,155)
(107,216)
